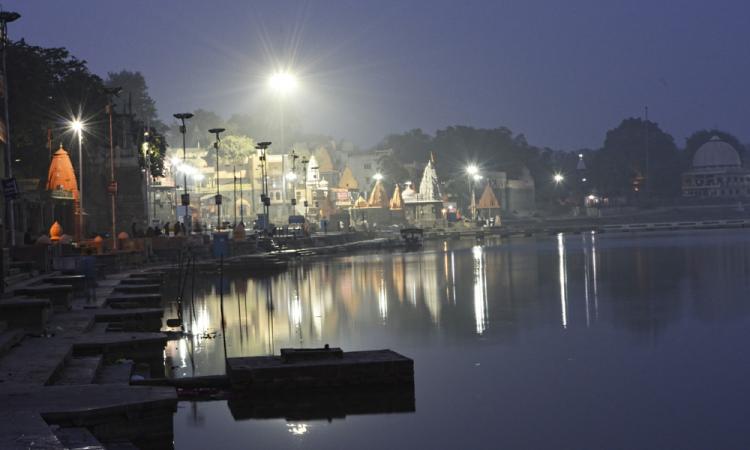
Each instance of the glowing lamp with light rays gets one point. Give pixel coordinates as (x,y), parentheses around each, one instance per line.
(283,83)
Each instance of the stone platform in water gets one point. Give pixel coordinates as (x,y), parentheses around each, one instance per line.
(320,368)
(328,403)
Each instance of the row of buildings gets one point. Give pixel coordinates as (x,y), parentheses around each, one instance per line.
(319,184)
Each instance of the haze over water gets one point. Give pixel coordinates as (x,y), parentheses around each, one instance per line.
(568,341)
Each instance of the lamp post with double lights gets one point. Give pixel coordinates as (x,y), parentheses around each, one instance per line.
(217,198)
(185,199)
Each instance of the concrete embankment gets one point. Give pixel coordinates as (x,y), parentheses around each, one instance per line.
(66,361)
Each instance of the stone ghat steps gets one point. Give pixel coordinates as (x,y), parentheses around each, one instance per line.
(77,438)
(9,339)
(79,370)
(91,417)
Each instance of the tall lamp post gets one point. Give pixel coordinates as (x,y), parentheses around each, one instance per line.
(217,198)
(77,126)
(185,200)
(473,171)
(292,178)
(305,162)
(5,18)
(264,198)
(112,92)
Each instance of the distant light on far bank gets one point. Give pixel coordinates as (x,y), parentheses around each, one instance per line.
(283,83)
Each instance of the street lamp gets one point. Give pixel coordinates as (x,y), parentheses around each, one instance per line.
(378,176)
(77,127)
(473,171)
(112,92)
(7,17)
(558,178)
(217,198)
(185,196)
(283,83)
(305,162)
(264,198)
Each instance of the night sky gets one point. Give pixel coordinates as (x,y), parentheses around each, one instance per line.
(561,72)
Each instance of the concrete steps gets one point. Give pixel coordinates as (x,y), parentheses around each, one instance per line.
(115,373)
(9,339)
(29,314)
(35,361)
(79,370)
(75,438)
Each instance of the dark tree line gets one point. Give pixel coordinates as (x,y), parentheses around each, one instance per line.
(637,160)
(49,87)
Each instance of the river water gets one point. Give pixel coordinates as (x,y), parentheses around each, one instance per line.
(568,341)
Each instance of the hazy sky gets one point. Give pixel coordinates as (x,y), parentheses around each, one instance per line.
(561,72)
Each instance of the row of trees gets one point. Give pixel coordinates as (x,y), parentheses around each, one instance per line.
(49,87)
(636,159)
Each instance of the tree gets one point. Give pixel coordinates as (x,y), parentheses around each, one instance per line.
(235,149)
(637,158)
(411,146)
(700,137)
(135,96)
(153,147)
(393,171)
(48,87)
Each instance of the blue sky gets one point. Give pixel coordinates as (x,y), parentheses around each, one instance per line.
(561,72)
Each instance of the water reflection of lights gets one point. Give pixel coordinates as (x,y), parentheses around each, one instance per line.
(595,275)
(453,275)
(480,290)
(586,279)
(297,429)
(563,275)
(383,299)
(183,352)
(295,311)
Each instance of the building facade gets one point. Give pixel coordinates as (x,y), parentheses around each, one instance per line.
(716,172)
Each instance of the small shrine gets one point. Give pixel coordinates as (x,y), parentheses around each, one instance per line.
(62,187)
(489,206)
(425,207)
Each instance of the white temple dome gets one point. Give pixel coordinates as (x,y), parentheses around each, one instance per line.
(408,193)
(715,154)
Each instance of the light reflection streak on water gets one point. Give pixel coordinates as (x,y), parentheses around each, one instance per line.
(586,279)
(595,275)
(295,313)
(563,276)
(480,290)
(383,299)
(297,429)
(453,275)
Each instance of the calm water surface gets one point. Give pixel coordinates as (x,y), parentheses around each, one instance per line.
(571,341)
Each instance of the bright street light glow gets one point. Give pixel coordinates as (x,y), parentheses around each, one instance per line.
(76,125)
(472,169)
(477,177)
(378,176)
(283,82)
(559,178)
(291,176)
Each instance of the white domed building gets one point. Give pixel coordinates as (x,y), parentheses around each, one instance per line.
(717,172)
